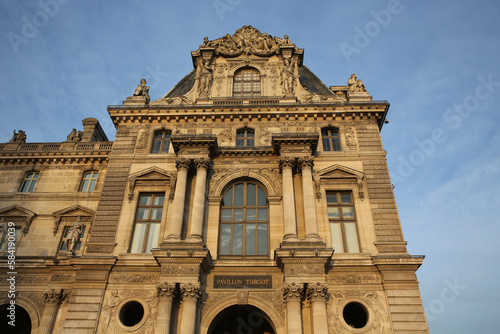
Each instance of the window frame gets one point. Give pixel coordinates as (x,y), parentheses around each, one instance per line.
(342,222)
(244,222)
(334,142)
(252,92)
(164,142)
(32,182)
(148,222)
(92,178)
(245,138)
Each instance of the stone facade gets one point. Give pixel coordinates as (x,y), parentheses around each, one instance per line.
(250,198)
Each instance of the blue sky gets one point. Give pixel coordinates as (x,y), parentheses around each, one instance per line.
(436,62)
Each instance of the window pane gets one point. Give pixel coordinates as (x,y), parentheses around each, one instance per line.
(261,197)
(159,200)
(250,239)
(345,198)
(92,185)
(238,194)
(226,214)
(237,239)
(156,214)
(142,213)
(336,144)
(250,133)
(262,214)
(251,214)
(348,212)
(240,134)
(165,146)
(85,185)
(156,146)
(251,194)
(238,214)
(326,144)
(32,185)
(333,212)
(250,142)
(138,240)
(336,237)
(154,231)
(351,238)
(262,239)
(228,198)
(145,200)
(225,239)
(240,142)
(331,198)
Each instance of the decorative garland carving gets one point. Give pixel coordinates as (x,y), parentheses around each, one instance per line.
(273,298)
(180,270)
(305,269)
(355,278)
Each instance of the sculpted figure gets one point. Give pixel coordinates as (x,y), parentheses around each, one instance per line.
(75,136)
(287,76)
(142,90)
(205,78)
(74,235)
(3,230)
(355,85)
(18,137)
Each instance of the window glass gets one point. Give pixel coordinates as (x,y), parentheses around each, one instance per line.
(29,182)
(244,231)
(246,83)
(161,142)
(330,139)
(89,181)
(342,218)
(245,138)
(147,223)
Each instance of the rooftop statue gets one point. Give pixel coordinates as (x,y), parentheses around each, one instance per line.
(143,90)
(18,137)
(355,85)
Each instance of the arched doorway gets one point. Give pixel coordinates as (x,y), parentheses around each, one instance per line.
(22,320)
(241,319)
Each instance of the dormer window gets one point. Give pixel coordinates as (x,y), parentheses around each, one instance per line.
(246,83)
(161,142)
(331,139)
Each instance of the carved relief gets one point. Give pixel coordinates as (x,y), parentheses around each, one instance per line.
(273,298)
(214,298)
(134,278)
(36,298)
(293,291)
(180,270)
(355,278)
(166,290)
(27,280)
(318,290)
(242,297)
(54,296)
(62,277)
(142,141)
(190,291)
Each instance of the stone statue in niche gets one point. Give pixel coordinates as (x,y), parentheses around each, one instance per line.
(287,76)
(204,78)
(74,235)
(142,90)
(355,85)
(74,136)
(18,137)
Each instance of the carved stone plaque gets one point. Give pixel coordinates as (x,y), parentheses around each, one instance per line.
(243,282)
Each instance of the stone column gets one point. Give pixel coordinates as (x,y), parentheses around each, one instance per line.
(190,293)
(318,294)
(290,222)
(165,295)
(309,200)
(196,232)
(292,293)
(179,199)
(52,299)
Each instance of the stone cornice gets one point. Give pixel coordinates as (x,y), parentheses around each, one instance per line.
(54,157)
(331,111)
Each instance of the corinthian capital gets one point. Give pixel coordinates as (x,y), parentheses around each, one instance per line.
(287,162)
(165,290)
(202,163)
(306,162)
(190,291)
(182,163)
(293,291)
(318,290)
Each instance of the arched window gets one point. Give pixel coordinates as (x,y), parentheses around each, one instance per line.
(246,83)
(29,182)
(88,182)
(161,142)
(244,222)
(331,139)
(245,137)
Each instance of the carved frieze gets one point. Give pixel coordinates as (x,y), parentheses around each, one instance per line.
(355,278)
(180,270)
(134,278)
(304,270)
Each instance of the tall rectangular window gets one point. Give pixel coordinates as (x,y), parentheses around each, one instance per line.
(342,217)
(88,182)
(147,223)
(330,139)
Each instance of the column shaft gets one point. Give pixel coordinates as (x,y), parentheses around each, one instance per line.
(293,316)
(196,232)
(319,318)
(178,203)
(309,202)
(188,316)
(290,222)
(163,318)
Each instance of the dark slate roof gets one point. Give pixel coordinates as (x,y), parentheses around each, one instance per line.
(312,82)
(307,79)
(183,86)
